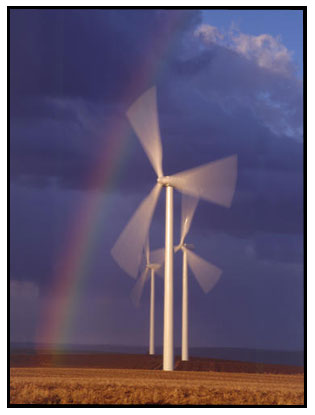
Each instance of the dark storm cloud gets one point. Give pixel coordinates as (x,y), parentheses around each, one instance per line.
(77,66)
(62,143)
(90,53)
(213,107)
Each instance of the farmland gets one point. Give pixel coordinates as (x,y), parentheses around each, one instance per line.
(38,382)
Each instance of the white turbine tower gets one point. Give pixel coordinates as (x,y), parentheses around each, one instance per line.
(138,289)
(212,182)
(206,274)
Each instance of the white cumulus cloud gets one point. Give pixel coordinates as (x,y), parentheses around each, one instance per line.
(265,50)
(257,73)
(208,33)
(268,52)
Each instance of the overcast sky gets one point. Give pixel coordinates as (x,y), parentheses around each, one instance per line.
(227,82)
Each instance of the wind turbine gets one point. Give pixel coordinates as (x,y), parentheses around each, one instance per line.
(213,181)
(138,289)
(206,274)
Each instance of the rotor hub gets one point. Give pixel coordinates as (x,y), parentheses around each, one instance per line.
(164,180)
(154,266)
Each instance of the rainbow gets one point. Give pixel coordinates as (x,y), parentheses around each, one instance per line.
(64,294)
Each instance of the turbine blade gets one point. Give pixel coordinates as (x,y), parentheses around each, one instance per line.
(189,205)
(213,181)
(206,274)
(158,257)
(128,248)
(137,290)
(143,117)
(147,251)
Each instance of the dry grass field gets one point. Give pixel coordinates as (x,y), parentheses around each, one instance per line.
(82,385)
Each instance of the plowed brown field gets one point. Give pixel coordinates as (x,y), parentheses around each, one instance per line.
(85,379)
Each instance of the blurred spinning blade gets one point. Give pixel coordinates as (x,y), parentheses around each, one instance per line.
(213,181)
(189,205)
(128,249)
(143,117)
(206,274)
(158,257)
(138,288)
(147,251)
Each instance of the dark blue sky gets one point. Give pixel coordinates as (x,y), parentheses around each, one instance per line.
(227,82)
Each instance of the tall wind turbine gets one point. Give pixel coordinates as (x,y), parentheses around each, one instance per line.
(212,181)
(138,289)
(206,274)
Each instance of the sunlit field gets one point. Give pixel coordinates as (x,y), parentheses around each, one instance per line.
(62,385)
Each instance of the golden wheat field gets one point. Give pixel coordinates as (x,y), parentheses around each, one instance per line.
(134,386)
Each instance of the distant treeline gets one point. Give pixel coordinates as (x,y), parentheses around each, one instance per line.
(283,357)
